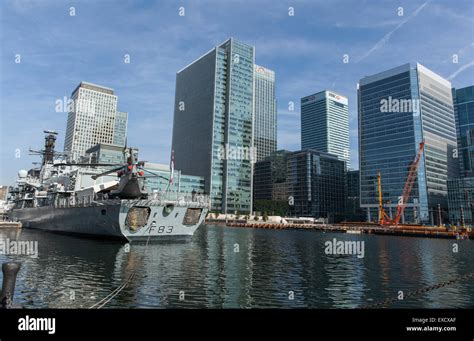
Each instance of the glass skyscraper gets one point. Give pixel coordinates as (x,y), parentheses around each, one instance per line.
(325,124)
(464,110)
(265,125)
(120,128)
(461,190)
(398,109)
(93,119)
(213,124)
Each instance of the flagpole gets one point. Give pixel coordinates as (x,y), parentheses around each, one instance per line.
(171,180)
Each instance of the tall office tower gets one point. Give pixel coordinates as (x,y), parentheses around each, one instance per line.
(213,124)
(398,109)
(265,125)
(464,113)
(461,190)
(93,119)
(325,124)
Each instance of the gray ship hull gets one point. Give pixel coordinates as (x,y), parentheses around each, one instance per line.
(152,219)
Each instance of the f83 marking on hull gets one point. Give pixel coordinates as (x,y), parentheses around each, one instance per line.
(165,229)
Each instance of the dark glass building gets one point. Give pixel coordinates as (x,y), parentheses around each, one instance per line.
(312,182)
(398,109)
(461,200)
(353,210)
(270,177)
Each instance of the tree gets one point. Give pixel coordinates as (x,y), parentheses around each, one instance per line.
(274,207)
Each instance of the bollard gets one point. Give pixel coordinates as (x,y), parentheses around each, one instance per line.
(10,271)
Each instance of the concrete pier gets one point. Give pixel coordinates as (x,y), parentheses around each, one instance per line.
(366,228)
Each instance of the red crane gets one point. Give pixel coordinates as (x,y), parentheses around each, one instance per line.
(384,219)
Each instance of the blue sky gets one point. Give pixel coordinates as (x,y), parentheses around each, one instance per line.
(305,50)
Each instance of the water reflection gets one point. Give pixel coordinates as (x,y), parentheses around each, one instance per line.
(240,268)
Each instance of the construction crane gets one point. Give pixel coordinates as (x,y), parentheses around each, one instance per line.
(384,218)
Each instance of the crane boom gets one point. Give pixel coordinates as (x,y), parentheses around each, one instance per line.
(384,219)
(409,184)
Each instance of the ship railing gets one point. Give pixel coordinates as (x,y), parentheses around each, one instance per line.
(83,201)
(183,199)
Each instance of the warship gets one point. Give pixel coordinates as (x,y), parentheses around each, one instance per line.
(85,199)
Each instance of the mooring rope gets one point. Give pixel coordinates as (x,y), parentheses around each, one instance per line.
(418,292)
(117,290)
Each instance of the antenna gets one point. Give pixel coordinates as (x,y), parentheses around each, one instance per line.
(52,132)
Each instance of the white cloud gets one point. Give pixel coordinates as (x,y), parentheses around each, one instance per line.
(461,69)
(387,36)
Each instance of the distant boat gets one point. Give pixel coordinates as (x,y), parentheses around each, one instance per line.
(354,231)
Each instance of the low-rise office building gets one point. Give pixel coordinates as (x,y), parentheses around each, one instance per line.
(312,182)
